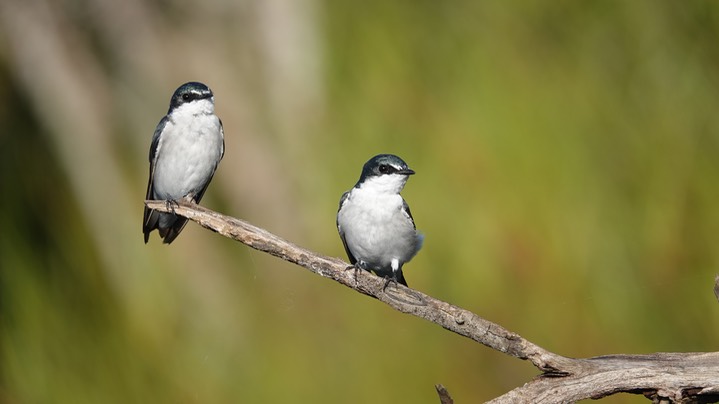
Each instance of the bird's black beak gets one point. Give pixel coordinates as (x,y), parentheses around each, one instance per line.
(406,171)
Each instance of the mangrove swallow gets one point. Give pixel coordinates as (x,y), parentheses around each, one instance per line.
(186,148)
(374,221)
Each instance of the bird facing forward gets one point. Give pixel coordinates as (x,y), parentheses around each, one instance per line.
(186,148)
(374,221)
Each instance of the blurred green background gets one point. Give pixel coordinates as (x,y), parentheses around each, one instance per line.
(568,177)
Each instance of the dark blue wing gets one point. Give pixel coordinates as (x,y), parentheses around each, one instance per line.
(156,139)
(351,257)
(149,217)
(406,211)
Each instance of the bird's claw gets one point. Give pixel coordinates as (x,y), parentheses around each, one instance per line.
(171,204)
(356,268)
(388,280)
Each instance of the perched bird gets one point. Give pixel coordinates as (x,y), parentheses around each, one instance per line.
(374,221)
(186,148)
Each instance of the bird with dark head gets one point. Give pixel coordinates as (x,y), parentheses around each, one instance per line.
(186,149)
(374,221)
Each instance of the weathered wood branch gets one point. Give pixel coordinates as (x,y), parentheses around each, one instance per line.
(661,377)
(444,397)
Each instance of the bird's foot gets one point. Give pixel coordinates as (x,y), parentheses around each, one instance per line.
(171,204)
(190,198)
(356,268)
(388,280)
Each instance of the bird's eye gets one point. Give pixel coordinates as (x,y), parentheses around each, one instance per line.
(383,168)
(186,96)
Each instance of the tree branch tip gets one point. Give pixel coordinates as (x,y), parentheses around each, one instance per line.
(444,397)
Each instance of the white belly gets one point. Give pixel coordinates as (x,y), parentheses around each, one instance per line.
(377,231)
(187,157)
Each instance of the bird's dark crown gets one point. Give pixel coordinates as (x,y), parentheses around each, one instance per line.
(189,92)
(384,164)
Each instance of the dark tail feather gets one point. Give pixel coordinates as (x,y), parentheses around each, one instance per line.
(149,222)
(157,220)
(169,234)
(399,277)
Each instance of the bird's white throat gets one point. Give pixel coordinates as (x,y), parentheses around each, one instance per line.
(384,184)
(195,108)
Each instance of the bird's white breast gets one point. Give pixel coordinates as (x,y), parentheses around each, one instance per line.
(189,149)
(376,229)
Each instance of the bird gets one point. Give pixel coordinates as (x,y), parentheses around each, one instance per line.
(187,146)
(374,221)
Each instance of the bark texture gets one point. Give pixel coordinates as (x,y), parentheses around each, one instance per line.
(661,377)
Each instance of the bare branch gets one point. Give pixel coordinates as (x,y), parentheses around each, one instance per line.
(673,377)
(676,377)
(406,300)
(444,397)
